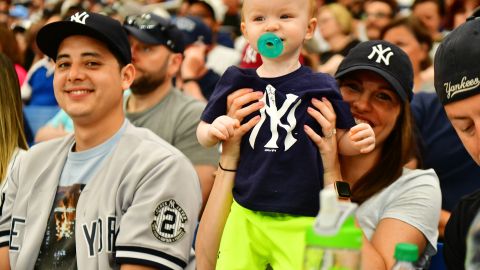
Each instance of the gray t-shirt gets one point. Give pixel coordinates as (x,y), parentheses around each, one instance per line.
(175,119)
(414,198)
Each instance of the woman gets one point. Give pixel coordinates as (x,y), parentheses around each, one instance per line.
(335,25)
(12,137)
(411,35)
(396,204)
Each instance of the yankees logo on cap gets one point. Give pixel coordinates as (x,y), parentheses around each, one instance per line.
(457,72)
(90,24)
(169,221)
(385,59)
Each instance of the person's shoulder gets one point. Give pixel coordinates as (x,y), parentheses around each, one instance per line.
(470,201)
(57,144)
(419,177)
(319,78)
(139,139)
(186,101)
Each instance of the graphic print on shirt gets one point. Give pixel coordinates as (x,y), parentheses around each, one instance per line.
(275,115)
(58,247)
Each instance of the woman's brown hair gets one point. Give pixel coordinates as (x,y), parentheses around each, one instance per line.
(12,134)
(399,147)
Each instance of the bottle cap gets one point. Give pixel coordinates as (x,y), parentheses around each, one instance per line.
(270,45)
(406,252)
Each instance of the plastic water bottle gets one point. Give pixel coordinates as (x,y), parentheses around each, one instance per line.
(472,259)
(334,241)
(406,255)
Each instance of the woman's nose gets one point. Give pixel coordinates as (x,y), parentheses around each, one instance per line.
(362,102)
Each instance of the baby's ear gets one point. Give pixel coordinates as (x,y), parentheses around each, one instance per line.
(312,24)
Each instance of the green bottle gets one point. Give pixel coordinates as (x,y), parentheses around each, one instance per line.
(406,255)
(334,242)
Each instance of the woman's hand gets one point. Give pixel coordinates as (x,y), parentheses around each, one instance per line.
(236,110)
(327,145)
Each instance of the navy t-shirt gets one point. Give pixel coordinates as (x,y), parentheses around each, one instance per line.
(280,168)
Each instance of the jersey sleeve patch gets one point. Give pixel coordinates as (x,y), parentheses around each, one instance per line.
(169,220)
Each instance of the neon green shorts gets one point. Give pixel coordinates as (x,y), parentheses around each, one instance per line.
(253,239)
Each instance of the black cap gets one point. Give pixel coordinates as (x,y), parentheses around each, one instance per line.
(194,30)
(457,71)
(85,23)
(385,59)
(155,30)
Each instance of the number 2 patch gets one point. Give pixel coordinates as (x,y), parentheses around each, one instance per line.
(169,222)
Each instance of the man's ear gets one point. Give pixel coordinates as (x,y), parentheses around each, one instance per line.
(174,63)
(312,24)
(127,75)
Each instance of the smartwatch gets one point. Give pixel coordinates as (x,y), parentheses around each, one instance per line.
(343,189)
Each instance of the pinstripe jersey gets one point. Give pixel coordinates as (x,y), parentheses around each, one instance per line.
(141,207)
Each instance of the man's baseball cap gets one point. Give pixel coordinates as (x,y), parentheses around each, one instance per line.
(85,23)
(194,30)
(155,30)
(385,59)
(457,70)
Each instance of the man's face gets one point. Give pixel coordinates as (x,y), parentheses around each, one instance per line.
(151,63)
(465,118)
(378,15)
(88,81)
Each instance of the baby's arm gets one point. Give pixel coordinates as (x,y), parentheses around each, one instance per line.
(359,140)
(222,128)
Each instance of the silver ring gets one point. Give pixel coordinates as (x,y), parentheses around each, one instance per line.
(331,133)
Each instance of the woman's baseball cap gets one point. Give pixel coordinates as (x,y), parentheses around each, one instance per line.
(457,70)
(385,59)
(97,26)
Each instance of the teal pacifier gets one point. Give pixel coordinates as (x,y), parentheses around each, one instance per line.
(270,45)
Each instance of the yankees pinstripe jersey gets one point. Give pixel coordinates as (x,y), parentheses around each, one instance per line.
(141,207)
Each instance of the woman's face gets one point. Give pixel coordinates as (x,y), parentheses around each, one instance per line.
(372,100)
(404,38)
(327,24)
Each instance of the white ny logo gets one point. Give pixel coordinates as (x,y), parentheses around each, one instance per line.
(381,54)
(275,116)
(79,18)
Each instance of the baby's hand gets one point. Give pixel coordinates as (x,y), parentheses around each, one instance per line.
(223,128)
(363,137)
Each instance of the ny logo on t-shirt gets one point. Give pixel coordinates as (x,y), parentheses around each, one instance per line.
(288,108)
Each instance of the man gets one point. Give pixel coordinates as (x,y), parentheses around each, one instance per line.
(457,82)
(378,13)
(197,79)
(220,56)
(155,104)
(110,195)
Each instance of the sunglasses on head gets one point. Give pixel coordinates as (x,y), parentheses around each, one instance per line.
(145,22)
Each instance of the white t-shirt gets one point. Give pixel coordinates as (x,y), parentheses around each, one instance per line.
(414,198)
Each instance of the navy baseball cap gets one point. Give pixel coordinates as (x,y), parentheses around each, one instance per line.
(155,30)
(385,59)
(84,23)
(457,71)
(194,30)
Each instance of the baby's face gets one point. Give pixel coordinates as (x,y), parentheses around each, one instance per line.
(290,20)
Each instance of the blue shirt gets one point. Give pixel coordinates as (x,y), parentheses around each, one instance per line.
(280,168)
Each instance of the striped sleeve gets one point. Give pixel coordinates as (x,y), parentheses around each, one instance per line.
(148,257)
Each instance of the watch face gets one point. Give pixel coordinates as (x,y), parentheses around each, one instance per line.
(343,189)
